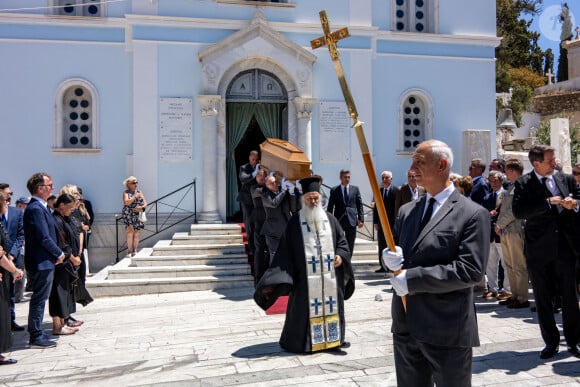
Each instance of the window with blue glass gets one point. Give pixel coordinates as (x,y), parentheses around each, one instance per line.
(414,118)
(412,15)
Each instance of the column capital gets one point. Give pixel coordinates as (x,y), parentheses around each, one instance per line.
(304,106)
(209,104)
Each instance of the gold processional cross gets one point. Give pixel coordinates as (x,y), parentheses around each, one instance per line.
(329,39)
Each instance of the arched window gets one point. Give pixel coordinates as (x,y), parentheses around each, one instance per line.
(76,116)
(413,15)
(415,119)
(87,8)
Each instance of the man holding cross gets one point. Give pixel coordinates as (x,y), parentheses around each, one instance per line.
(444,245)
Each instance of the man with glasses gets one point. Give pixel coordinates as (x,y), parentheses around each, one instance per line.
(480,187)
(12,223)
(42,255)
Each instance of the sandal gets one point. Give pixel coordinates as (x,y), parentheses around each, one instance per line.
(71,322)
(64,330)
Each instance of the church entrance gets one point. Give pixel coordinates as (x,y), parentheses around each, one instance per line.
(256,109)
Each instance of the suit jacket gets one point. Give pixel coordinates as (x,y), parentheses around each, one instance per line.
(480,189)
(40,235)
(247,180)
(405,196)
(543,224)
(277,207)
(389,202)
(347,213)
(15,233)
(490,203)
(444,262)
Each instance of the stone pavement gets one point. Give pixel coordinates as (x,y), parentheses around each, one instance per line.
(207,338)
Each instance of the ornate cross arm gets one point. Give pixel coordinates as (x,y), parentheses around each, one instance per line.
(329,39)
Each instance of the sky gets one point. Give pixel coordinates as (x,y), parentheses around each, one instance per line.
(548,25)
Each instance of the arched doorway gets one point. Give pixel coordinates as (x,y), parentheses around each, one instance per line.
(256,108)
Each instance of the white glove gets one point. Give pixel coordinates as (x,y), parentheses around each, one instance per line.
(299,186)
(290,187)
(399,283)
(393,259)
(256,168)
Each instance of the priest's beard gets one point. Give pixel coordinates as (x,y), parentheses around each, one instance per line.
(314,216)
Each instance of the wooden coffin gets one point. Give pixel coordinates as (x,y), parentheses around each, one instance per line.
(283,156)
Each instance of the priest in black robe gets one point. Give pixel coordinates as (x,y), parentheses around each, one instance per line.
(312,265)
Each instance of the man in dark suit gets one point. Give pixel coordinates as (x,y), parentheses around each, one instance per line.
(445,241)
(42,255)
(548,201)
(12,222)
(388,192)
(408,192)
(480,187)
(276,203)
(247,177)
(345,204)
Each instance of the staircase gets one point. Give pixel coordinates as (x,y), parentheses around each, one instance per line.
(209,257)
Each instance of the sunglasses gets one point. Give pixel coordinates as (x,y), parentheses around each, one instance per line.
(134,182)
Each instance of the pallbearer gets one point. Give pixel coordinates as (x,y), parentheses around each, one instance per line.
(312,265)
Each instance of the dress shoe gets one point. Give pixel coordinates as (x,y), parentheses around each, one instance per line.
(549,352)
(345,344)
(504,296)
(574,350)
(6,361)
(489,294)
(381,270)
(42,343)
(16,327)
(507,302)
(519,305)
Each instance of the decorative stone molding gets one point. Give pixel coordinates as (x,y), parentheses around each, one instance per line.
(209,104)
(304,107)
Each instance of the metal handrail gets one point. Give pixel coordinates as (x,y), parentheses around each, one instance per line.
(368,229)
(157,223)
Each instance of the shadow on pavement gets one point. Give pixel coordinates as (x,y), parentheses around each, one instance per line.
(515,362)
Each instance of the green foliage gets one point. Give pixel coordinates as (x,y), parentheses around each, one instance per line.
(521,98)
(566,34)
(543,137)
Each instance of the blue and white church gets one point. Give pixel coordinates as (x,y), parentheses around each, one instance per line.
(171,90)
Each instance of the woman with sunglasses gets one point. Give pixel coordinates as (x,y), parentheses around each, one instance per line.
(133,203)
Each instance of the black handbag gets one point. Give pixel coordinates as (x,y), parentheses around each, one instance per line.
(70,269)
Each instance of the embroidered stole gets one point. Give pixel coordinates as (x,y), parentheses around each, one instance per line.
(322,293)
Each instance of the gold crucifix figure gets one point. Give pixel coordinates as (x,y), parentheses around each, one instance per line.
(329,39)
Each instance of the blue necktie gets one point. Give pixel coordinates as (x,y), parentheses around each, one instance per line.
(428,214)
(345,194)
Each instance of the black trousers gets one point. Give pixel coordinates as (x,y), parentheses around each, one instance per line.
(420,364)
(350,234)
(556,277)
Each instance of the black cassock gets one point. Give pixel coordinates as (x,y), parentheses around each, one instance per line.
(287,275)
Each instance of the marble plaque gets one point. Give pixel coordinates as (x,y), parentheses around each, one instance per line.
(335,130)
(175,129)
(476,145)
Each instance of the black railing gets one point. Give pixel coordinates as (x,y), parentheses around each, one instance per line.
(162,213)
(368,229)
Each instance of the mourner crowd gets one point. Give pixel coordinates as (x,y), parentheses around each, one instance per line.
(43,247)
(488,234)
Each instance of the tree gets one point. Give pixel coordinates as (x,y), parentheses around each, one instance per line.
(565,34)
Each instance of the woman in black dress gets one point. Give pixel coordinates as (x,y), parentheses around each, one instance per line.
(8,272)
(61,302)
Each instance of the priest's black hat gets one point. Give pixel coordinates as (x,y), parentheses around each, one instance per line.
(311,184)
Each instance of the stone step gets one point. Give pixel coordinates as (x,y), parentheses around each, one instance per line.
(183,238)
(178,272)
(215,229)
(165,247)
(142,260)
(123,287)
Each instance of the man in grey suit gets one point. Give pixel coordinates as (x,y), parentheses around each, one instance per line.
(444,239)
(345,203)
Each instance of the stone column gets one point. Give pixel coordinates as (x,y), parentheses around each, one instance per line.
(304,129)
(208,106)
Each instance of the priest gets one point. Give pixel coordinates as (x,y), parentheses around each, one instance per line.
(312,265)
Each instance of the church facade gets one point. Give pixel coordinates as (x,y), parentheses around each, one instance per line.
(95,91)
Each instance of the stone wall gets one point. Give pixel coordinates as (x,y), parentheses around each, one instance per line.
(565,104)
